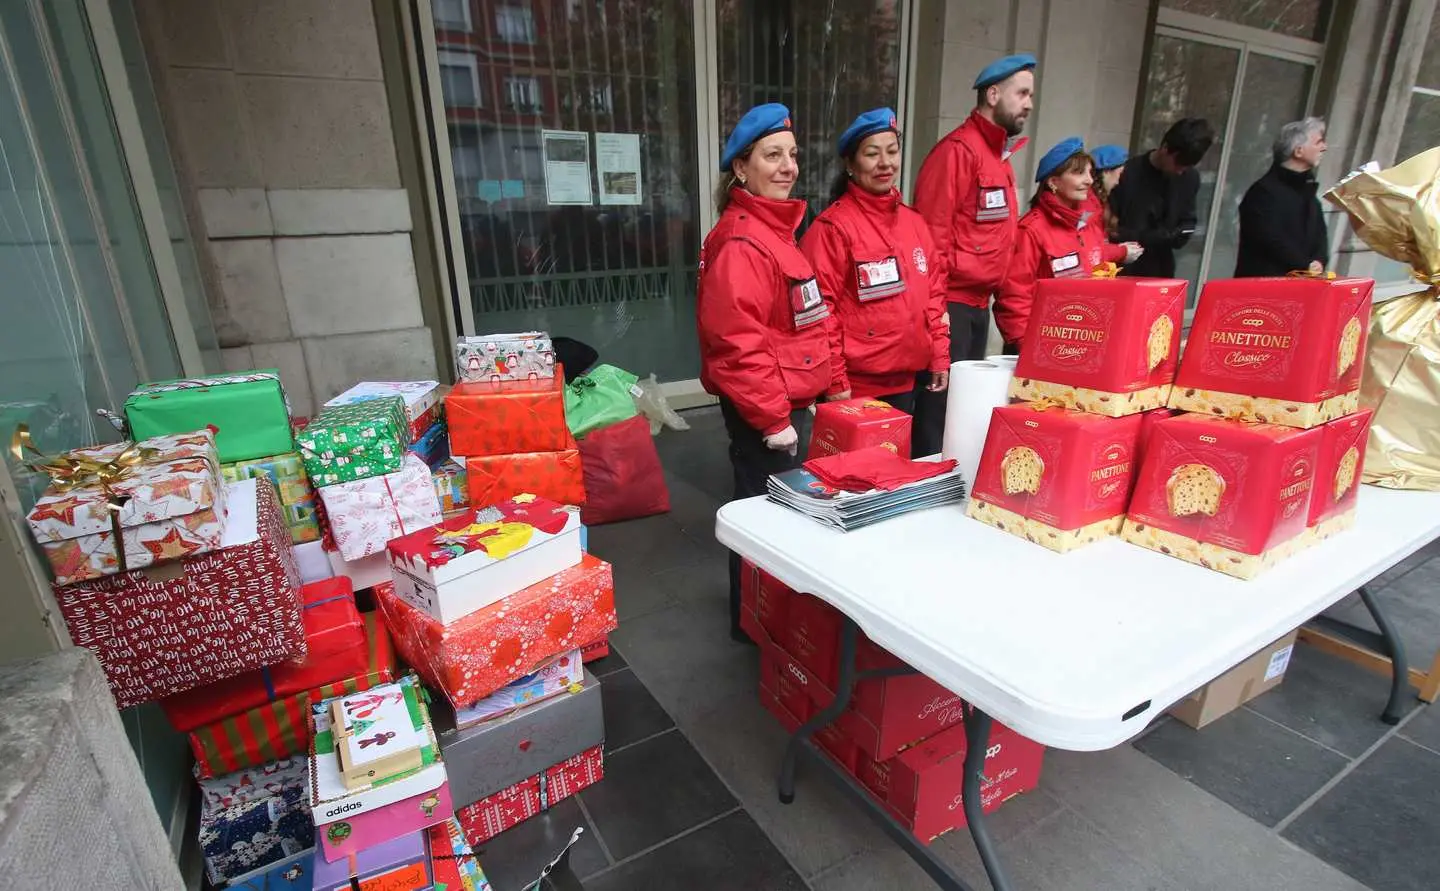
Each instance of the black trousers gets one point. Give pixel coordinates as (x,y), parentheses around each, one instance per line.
(906,401)
(753,464)
(969,332)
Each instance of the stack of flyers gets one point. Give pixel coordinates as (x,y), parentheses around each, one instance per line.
(800,490)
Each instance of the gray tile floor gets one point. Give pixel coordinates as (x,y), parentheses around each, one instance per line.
(1301,789)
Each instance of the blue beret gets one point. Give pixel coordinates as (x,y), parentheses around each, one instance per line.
(1051,160)
(1000,69)
(1108,157)
(876,120)
(762,120)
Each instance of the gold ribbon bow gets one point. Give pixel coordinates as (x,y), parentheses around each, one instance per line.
(1045,403)
(1328,275)
(68,472)
(1105,270)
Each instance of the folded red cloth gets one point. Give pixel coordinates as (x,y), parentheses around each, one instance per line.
(876,467)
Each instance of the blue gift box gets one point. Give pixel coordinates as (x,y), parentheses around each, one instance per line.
(295,873)
(433,446)
(271,824)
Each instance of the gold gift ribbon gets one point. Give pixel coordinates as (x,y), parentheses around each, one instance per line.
(1328,275)
(1105,270)
(67,473)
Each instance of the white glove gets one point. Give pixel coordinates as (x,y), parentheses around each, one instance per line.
(786,440)
(1132,252)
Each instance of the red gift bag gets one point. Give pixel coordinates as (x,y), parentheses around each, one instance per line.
(623,477)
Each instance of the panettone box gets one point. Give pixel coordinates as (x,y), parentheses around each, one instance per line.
(1108,346)
(1056,477)
(858,424)
(1338,474)
(1228,495)
(1276,350)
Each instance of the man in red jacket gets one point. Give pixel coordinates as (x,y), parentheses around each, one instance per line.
(966,192)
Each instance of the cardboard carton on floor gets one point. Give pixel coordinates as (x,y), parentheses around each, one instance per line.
(1260,673)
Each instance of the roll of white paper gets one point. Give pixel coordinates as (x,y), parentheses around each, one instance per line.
(1007,361)
(976,387)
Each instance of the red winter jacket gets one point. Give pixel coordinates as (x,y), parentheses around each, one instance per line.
(966,192)
(764,337)
(1055,241)
(885,285)
(1111,253)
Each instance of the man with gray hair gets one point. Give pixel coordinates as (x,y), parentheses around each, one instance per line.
(1282,228)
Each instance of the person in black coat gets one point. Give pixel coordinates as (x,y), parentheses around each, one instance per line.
(1154,202)
(1282,228)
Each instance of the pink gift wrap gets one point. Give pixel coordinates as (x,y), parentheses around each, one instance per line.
(167,629)
(354,834)
(176,509)
(365,514)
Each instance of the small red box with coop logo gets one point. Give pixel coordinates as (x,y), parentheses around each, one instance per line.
(858,424)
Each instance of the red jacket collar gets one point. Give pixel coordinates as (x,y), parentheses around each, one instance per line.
(994,136)
(1070,217)
(885,205)
(784,217)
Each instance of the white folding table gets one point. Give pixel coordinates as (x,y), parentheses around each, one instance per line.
(1077,651)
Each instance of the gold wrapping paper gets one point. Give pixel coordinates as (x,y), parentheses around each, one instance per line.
(1397,213)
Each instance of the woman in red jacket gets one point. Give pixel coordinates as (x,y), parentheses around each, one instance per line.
(879,273)
(764,342)
(1058,237)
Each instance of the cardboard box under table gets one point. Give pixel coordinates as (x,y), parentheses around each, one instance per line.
(478,654)
(508,418)
(352,442)
(166,629)
(248,411)
(421,399)
(297,498)
(255,818)
(1107,346)
(487,756)
(1260,673)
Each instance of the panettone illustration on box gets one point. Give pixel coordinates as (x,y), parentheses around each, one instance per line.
(1194,489)
(1345,473)
(1337,477)
(1021,470)
(1157,345)
(1349,349)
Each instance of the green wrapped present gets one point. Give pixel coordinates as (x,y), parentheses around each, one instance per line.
(352,442)
(603,397)
(297,498)
(248,411)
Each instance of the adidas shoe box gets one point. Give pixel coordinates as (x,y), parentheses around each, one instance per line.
(1107,346)
(1231,496)
(1053,476)
(1260,673)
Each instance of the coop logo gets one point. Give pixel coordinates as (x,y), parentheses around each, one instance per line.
(1254,323)
(1032,423)
(1208,439)
(797,673)
(1074,317)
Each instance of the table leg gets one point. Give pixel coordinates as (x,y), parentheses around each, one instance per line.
(977,741)
(1395,649)
(849,632)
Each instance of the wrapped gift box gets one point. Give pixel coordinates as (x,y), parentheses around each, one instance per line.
(167,629)
(1108,346)
(598,649)
(281,728)
(259,783)
(294,873)
(1056,477)
(1276,350)
(858,424)
(1229,495)
(367,572)
(484,758)
(267,821)
(366,514)
(249,412)
(400,864)
(421,398)
(452,484)
(451,859)
(1338,475)
(510,807)
(504,418)
(380,733)
(473,657)
(433,446)
(345,443)
(314,564)
(297,498)
(556,676)
(554,475)
(491,358)
(349,817)
(473,560)
(335,645)
(171,505)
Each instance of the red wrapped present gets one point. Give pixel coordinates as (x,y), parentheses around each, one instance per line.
(335,639)
(623,476)
(557,476)
(479,653)
(510,807)
(859,423)
(281,728)
(166,629)
(595,650)
(507,417)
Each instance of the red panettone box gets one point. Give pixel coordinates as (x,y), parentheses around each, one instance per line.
(335,641)
(767,596)
(1056,477)
(830,738)
(858,424)
(1108,346)
(1228,495)
(1276,350)
(493,479)
(1338,474)
(508,417)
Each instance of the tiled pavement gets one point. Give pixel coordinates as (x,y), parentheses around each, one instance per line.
(1304,788)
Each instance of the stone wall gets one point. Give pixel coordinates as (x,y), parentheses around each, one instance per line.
(281,130)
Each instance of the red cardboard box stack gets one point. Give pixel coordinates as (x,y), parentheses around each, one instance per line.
(902,738)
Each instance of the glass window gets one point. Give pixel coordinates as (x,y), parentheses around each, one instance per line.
(459,80)
(515,24)
(1306,19)
(453,14)
(523,94)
